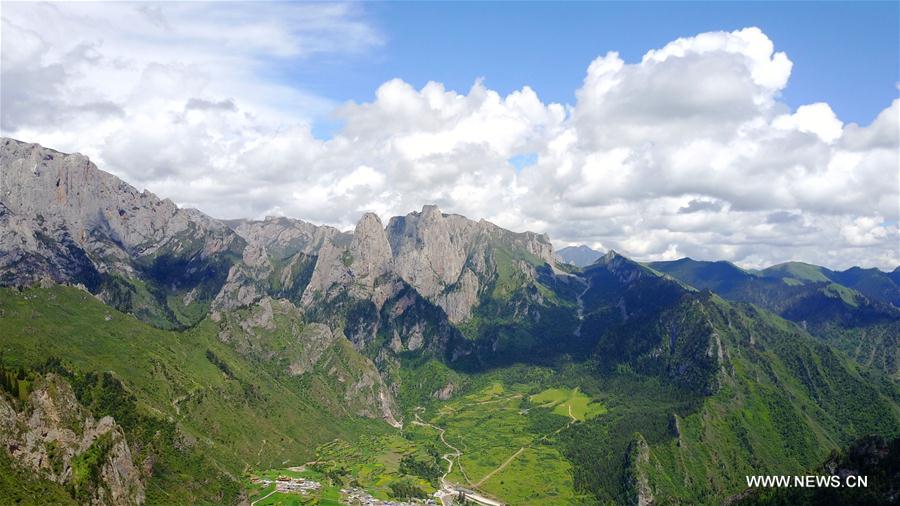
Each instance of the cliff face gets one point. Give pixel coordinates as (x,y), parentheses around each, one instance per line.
(65,221)
(105,216)
(357,269)
(448,258)
(52,435)
(72,222)
(409,286)
(428,282)
(636,485)
(386,290)
(279,259)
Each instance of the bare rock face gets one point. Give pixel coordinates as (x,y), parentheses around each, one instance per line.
(66,220)
(637,484)
(431,249)
(285,237)
(444,393)
(361,268)
(50,438)
(62,220)
(30,252)
(357,268)
(371,244)
(279,259)
(448,258)
(97,207)
(458,303)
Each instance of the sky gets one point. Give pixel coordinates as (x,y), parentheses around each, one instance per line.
(753,132)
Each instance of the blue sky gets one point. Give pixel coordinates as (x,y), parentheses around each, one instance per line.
(844,53)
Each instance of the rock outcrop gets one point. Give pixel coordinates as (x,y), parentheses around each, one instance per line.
(59,441)
(357,269)
(636,483)
(276,331)
(100,211)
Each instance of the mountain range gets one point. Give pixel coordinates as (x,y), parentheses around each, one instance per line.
(855,310)
(153,354)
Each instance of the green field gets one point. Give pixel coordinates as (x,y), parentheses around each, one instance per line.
(508,447)
(374,464)
(507,444)
(569,402)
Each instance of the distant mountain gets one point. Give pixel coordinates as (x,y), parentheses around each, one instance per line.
(720,276)
(579,256)
(873,283)
(215,348)
(858,317)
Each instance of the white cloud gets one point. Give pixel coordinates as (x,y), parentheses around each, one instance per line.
(816,118)
(689,151)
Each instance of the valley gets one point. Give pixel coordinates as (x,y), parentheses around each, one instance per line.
(491,444)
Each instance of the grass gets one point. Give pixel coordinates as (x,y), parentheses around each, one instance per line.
(254,416)
(797,270)
(508,443)
(784,402)
(18,486)
(503,450)
(569,402)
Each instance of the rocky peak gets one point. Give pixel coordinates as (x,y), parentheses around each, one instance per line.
(370,232)
(446,258)
(284,237)
(355,267)
(431,212)
(636,482)
(430,248)
(624,269)
(370,249)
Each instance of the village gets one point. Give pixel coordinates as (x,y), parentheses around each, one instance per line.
(290,485)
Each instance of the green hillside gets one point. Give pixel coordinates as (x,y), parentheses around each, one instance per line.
(239,411)
(864,325)
(796,270)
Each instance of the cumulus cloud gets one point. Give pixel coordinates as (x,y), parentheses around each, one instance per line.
(689,151)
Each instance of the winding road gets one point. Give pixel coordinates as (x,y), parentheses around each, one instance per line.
(447,456)
(263,497)
(449,489)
